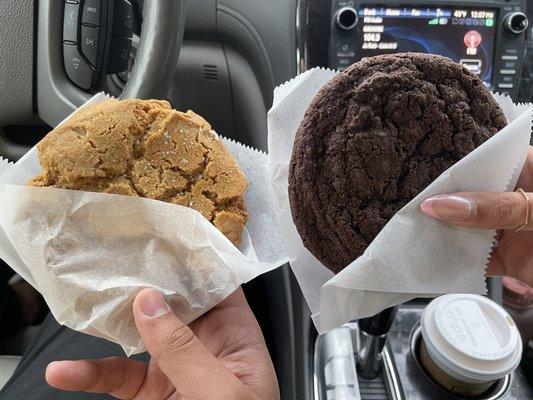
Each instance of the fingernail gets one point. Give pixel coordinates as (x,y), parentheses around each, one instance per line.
(449,207)
(152,303)
(53,364)
(61,363)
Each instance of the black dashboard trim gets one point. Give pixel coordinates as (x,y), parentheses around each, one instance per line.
(254,34)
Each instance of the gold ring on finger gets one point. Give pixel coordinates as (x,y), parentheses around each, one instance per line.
(526,221)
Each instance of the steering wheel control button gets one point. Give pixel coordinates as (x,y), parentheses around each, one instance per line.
(78,70)
(119,54)
(515,23)
(93,13)
(346,18)
(123,18)
(91,44)
(70,22)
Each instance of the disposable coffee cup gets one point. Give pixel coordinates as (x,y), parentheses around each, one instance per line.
(468,343)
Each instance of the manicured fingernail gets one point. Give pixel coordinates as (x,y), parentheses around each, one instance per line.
(152,303)
(449,207)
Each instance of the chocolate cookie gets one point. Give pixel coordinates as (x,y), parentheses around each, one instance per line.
(145,148)
(373,138)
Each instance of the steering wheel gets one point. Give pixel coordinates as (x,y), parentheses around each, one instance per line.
(55,95)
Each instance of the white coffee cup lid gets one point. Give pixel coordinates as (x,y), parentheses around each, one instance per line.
(471,337)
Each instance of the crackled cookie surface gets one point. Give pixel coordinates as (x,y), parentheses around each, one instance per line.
(145,148)
(373,138)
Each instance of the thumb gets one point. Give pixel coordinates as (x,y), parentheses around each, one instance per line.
(191,368)
(485,210)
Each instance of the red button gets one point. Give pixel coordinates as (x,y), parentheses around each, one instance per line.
(472,39)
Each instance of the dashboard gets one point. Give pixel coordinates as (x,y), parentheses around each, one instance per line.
(486,37)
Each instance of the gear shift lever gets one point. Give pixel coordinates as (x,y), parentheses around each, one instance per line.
(373,335)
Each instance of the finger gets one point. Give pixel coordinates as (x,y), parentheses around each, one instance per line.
(192,369)
(525,180)
(484,210)
(119,377)
(156,385)
(219,333)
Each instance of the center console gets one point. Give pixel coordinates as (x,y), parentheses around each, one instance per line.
(487,37)
(402,375)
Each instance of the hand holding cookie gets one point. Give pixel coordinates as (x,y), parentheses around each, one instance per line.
(129,194)
(369,144)
(222,356)
(510,212)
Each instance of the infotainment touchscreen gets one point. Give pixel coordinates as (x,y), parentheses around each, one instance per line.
(465,35)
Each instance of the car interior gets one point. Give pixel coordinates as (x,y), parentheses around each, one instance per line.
(223,59)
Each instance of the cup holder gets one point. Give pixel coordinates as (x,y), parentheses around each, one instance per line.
(496,391)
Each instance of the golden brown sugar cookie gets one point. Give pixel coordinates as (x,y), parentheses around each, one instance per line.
(145,148)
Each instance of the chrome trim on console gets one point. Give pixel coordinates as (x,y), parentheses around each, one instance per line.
(301,43)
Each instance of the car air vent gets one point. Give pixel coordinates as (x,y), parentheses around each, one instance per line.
(210,72)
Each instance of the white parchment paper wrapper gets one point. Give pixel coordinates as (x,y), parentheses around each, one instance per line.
(414,255)
(89,254)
